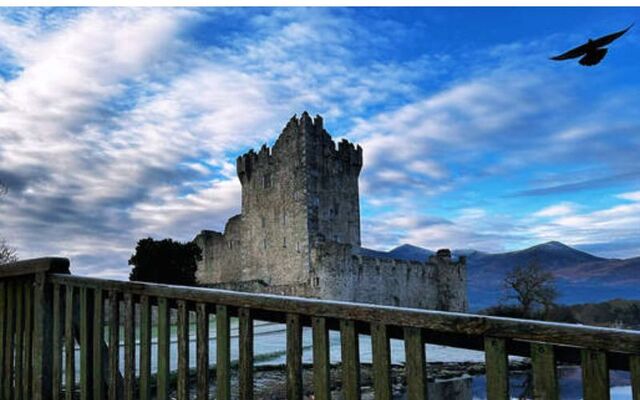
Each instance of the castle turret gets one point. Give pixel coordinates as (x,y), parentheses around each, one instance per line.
(303,189)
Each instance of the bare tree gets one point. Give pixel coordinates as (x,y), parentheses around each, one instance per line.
(7,253)
(532,287)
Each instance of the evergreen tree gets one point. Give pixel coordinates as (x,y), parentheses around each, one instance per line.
(165,261)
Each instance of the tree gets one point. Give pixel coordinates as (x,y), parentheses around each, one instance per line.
(7,253)
(532,287)
(165,261)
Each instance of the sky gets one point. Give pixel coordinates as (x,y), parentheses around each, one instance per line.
(118,124)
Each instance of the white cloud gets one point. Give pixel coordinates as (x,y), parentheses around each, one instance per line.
(556,210)
(470,228)
(617,223)
(631,196)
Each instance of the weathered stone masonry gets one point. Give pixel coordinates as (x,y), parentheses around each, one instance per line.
(299,231)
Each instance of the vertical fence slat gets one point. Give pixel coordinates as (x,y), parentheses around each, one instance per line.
(350,360)
(42,339)
(69,344)
(183,351)
(98,342)
(634,367)
(8,344)
(223,377)
(163,348)
(19,340)
(381,361)
(245,362)
(294,357)
(4,312)
(595,375)
(57,342)
(415,364)
(114,344)
(145,348)
(129,347)
(27,352)
(84,344)
(202,332)
(497,368)
(321,359)
(545,378)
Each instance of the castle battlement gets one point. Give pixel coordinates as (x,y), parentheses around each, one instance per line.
(299,230)
(303,136)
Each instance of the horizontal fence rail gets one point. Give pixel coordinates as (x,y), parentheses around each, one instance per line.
(69,337)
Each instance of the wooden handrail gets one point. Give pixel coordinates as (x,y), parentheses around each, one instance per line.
(606,339)
(27,267)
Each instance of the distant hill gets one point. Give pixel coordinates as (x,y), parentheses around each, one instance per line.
(582,277)
(409,252)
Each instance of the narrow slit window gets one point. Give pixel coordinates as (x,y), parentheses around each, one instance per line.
(266,181)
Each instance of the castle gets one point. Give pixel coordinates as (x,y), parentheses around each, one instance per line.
(299,231)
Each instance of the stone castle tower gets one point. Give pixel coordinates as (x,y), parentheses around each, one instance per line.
(299,228)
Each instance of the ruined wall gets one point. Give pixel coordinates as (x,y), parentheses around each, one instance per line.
(342,275)
(452,281)
(222,258)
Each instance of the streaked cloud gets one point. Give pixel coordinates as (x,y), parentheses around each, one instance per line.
(117,124)
(556,210)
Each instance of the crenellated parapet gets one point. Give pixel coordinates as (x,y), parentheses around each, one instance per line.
(309,137)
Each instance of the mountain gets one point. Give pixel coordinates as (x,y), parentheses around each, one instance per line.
(405,252)
(582,277)
(410,252)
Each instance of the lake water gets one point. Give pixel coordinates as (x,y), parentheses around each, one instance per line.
(270,345)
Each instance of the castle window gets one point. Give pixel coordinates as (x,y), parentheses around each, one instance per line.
(264,243)
(284,242)
(230,244)
(336,238)
(298,247)
(284,218)
(266,181)
(263,222)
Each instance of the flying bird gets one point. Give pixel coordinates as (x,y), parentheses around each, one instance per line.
(593,51)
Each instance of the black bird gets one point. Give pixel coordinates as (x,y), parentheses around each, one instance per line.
(593,51)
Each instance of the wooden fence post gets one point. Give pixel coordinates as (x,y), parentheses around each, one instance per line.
(42,341)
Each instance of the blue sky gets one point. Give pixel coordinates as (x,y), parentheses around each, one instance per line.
(117,124)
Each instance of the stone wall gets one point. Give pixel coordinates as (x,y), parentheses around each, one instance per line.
(342,275)
(274,210)
(333,201)
(220,252)
(339,274)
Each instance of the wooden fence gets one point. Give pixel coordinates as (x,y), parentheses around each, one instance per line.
(46,313)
